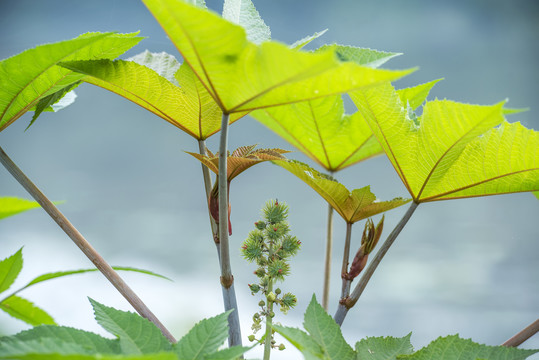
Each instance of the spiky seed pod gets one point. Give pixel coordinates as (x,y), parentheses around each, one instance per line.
(290,246)
(278,269)
(254,288)
(251,250)
(275,212)
(260,225)
(260,272)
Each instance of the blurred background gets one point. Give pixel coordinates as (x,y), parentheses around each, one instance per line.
(467,266)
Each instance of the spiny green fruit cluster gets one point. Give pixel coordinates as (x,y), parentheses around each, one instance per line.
(270,246)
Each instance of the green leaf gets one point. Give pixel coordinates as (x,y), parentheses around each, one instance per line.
(306,40)
(320,129)
(415,96)
(536,193)
(228,354)
(454,150)
(55,102)
(362,56)
(10,206)
(383,348)
(242,76)
(163,64)
(58,274)
(26,311)
(204,338)
(243,13)
(454,348)
(32,75)
(137,335)
(325,331)
(190,108)
(91,342)
(352,206)
(302,341)
(9,270)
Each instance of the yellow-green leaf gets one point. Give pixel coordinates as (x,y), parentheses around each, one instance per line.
(32,75)
(11,205)
(454,150)
(352,205)
(188,107)
(26,311)
(320,129)
(10,268)
(242,76)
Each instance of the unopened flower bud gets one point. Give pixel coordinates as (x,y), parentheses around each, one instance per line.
(261,303)
(277,291)
(281,347)
(251,338)
(260,225)
(271,296)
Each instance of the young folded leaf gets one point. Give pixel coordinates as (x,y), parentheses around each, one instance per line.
(352,206)
(32,75)
(452,150)
(242,76)
(159,84)
(10,206)
(240,160)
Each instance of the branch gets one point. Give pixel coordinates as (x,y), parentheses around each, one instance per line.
(523,335)
(369,271)
(83,244)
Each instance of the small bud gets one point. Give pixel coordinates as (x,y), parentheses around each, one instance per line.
(281,347)
(261,303)
(271,296)
(260,225)
(358,264)
(272,314)
(251,338)
(260,272)
(277,291)
(254,288)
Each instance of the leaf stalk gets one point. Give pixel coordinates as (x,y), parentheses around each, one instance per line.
(327,263)
(351,300)
(83,244)
(227,280)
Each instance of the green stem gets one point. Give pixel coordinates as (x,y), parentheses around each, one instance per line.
(343,308)
(227,280)
(269,319)
(327,268)
(345,261)
(83,244)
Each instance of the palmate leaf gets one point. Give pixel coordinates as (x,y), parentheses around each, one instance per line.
(204,338)
(32,75)
(244,13)
(352,206)
(383,348)
(137,335)
(9,270)
(453,150)
(151,81)
(242,76)
(325,331)
(26,311)
(240,160)
(90,341)
(454,348)
(320,129)
(11,206)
